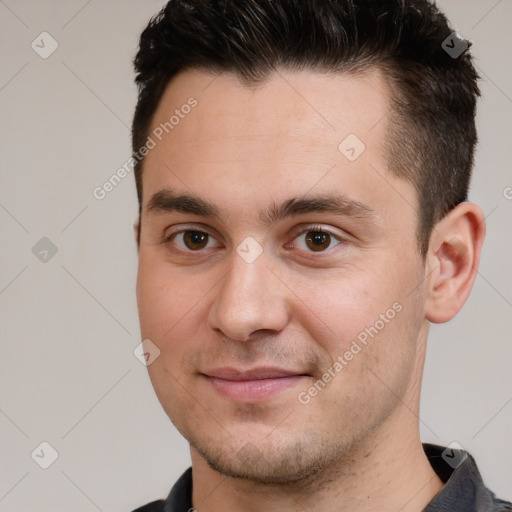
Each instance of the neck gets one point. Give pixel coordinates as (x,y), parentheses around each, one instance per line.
(388,473)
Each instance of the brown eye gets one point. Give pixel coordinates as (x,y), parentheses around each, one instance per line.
(190,240)
(195,240)
(318,240)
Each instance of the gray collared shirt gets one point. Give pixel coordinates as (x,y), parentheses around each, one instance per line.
(463,490)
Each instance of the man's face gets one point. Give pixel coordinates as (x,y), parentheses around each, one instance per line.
(250,308)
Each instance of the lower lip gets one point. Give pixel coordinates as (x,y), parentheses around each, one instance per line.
(253,390)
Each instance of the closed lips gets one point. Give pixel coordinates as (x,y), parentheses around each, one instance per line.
(254,374)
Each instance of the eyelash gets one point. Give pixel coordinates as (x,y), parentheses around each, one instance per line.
(312,228)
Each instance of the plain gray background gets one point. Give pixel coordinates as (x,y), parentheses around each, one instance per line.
(69,325)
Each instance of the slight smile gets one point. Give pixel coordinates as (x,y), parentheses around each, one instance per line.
(255,385)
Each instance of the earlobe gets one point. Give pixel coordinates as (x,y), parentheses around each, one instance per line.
(453,259)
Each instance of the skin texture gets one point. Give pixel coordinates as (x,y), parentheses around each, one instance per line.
(356,443)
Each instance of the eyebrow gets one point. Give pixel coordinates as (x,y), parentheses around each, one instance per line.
(166,201)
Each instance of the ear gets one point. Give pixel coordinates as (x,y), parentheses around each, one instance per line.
(452,261)
(136,224)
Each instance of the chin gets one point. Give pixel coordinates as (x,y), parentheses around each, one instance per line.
(268,463)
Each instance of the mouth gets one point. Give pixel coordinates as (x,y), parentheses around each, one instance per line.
(254,385)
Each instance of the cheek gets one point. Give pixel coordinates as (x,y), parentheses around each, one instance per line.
(370,338)
(339,307)
(367,317)
(168,303)
(164,299)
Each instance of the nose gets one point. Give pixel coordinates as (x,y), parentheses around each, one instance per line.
(249,298)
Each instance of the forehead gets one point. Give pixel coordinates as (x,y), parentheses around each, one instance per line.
(297,132)
(313,105)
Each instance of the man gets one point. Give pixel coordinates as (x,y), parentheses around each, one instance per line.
(302,174)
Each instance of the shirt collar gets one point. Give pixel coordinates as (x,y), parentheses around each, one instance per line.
(463,487)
